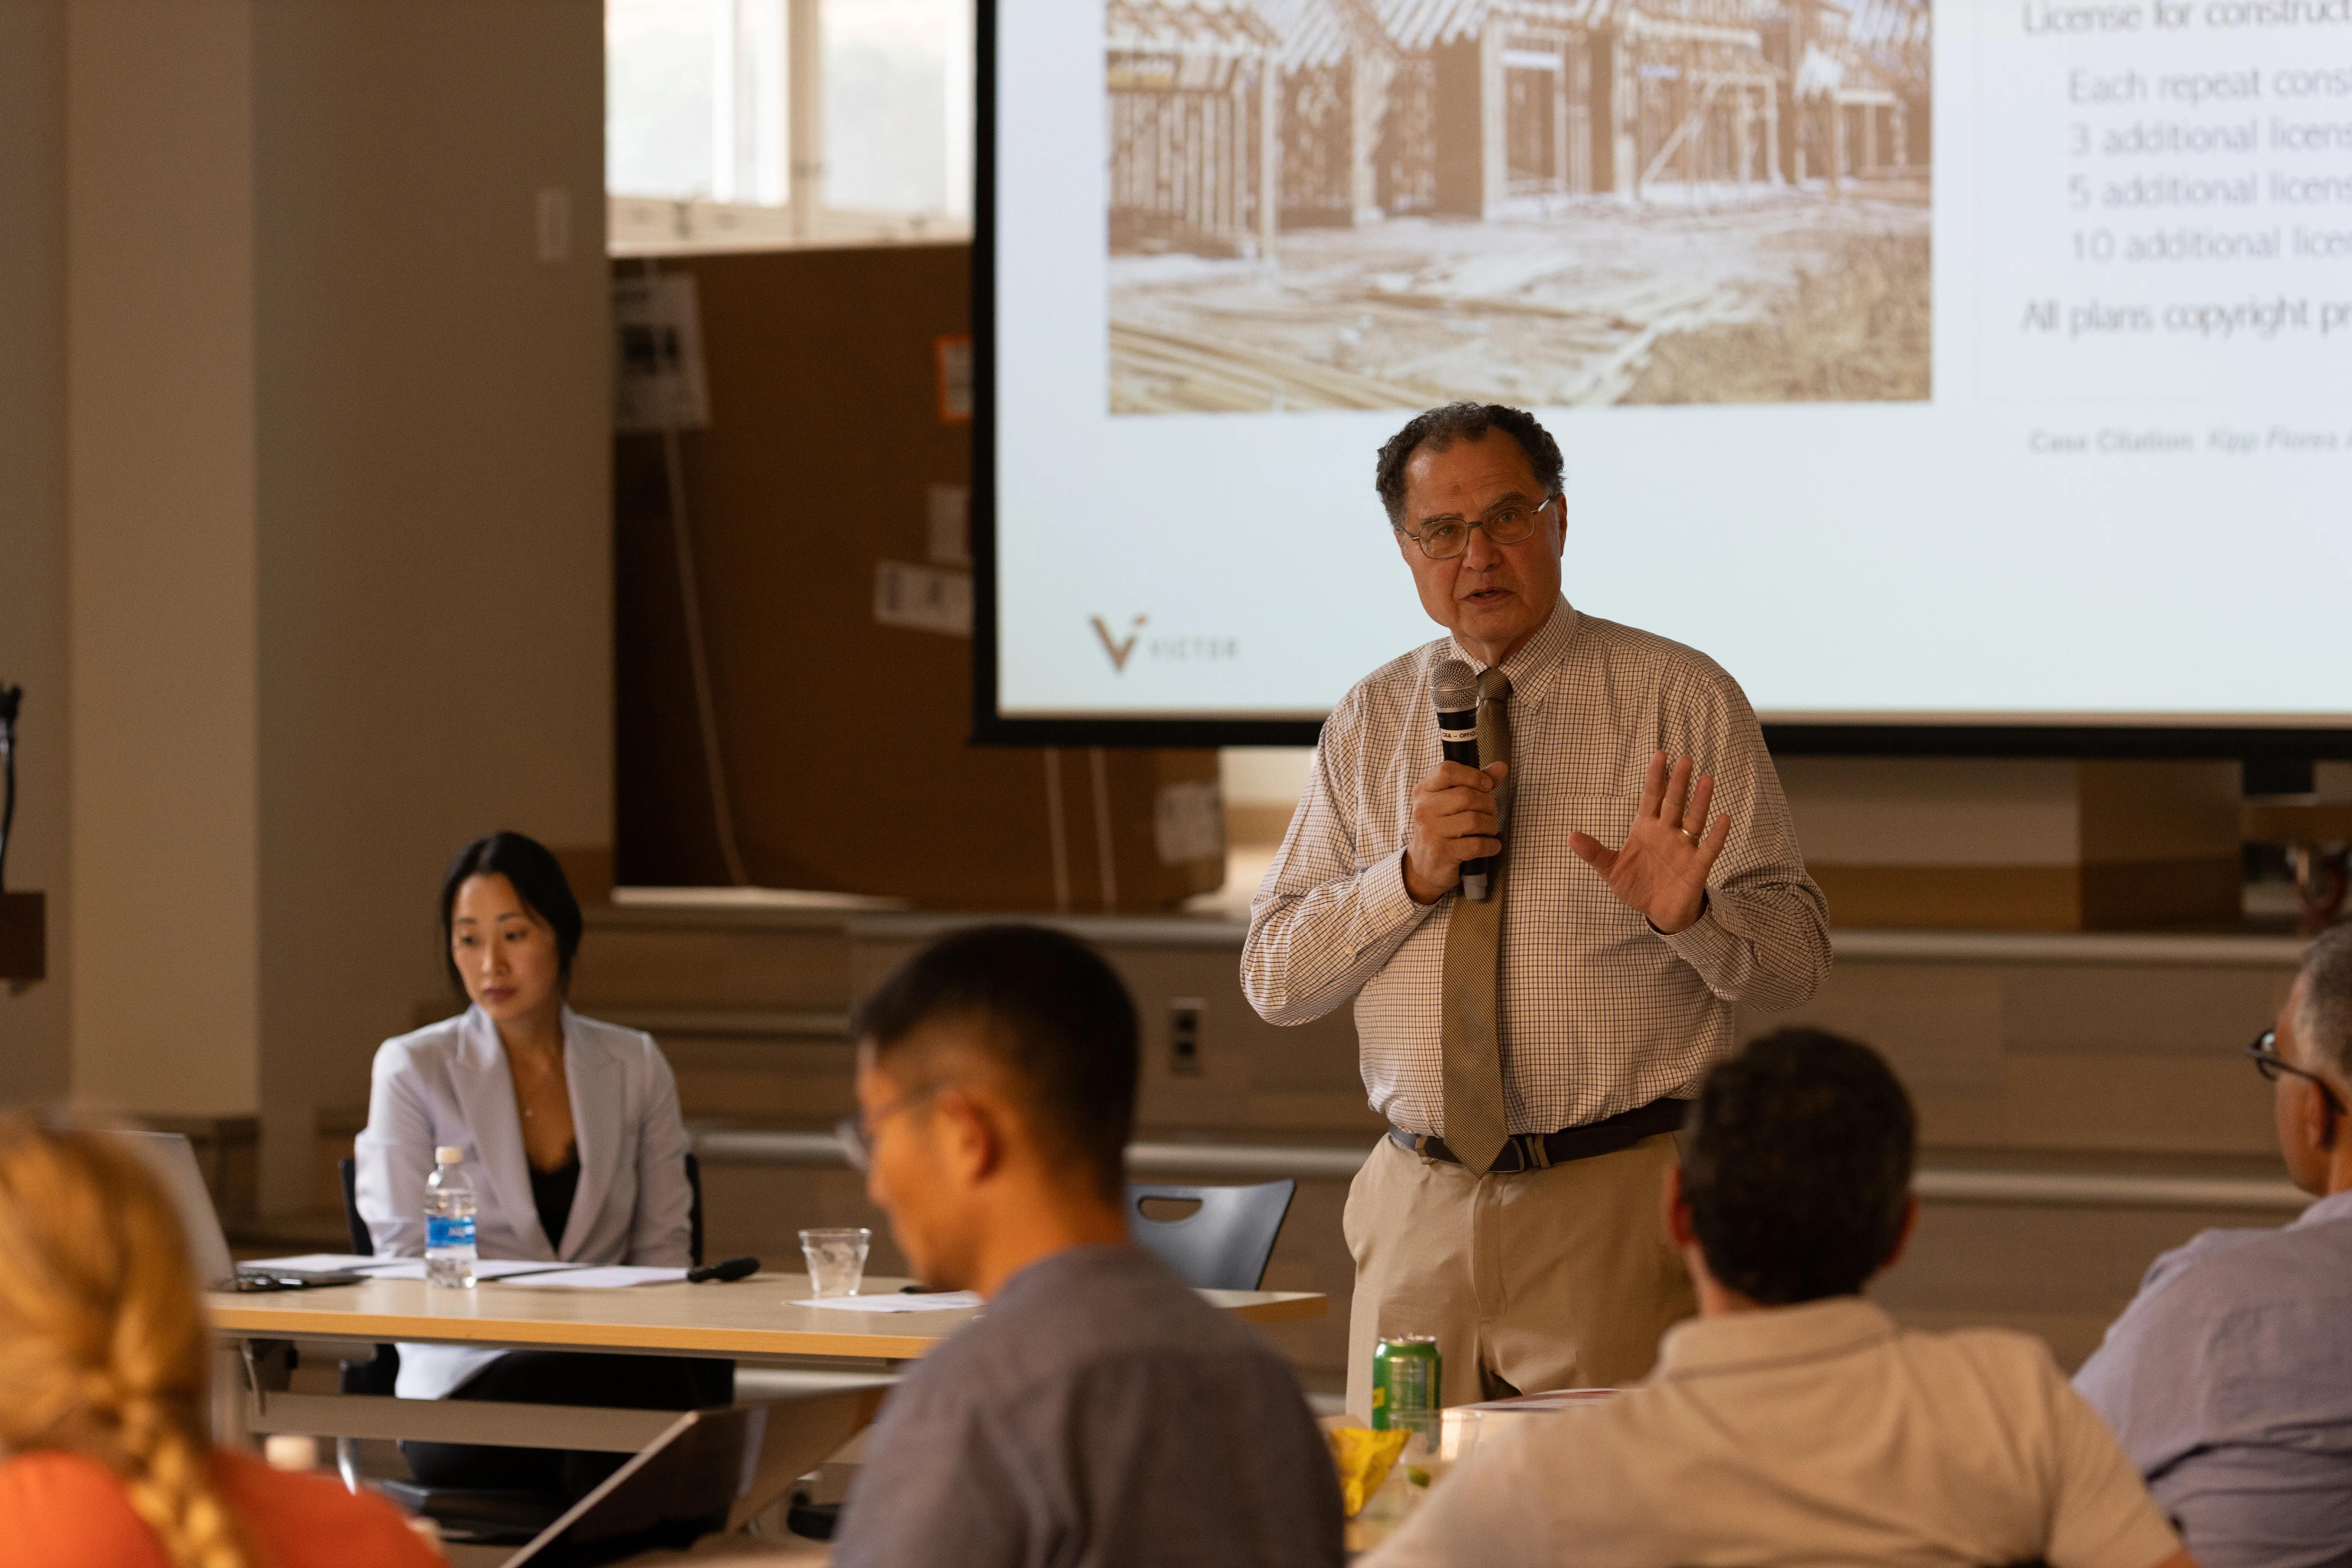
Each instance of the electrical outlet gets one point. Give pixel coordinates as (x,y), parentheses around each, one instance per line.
(1184,1035)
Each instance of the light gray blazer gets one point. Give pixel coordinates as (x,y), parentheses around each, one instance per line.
(448,1083)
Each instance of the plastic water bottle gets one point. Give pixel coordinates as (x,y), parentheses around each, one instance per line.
(450,1222)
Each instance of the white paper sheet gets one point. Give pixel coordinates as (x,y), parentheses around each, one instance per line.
(611,1278)
(315,1262)
(400,1268)
(484,1268)
(511,1268)
(941,1302)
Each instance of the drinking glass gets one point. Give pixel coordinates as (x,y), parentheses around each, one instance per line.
(1463,1429)
(837,1259)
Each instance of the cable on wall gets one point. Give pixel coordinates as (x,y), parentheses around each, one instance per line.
(705,707)
(1057,830)
(1102,830)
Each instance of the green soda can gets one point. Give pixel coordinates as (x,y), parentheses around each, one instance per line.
(1408,1381)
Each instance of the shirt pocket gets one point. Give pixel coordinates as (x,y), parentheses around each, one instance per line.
(1561,885)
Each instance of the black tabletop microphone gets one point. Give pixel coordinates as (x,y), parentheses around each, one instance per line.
(720,1273)
(1453,689)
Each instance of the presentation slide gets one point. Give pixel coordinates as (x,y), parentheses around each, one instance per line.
(1980,362)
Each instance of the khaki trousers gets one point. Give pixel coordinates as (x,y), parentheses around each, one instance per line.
(1555,1279)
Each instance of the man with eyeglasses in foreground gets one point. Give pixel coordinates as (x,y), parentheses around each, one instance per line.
(2229,1376)
(1532,1050)
(1098,1411)
(1793,1422)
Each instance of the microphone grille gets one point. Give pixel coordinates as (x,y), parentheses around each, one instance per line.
(1452,687)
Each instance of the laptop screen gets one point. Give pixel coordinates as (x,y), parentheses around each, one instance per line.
(174,1161)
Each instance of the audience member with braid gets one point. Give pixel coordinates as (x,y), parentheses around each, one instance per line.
(105,1363)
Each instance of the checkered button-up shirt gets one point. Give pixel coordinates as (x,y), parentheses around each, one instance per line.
(1598,1011)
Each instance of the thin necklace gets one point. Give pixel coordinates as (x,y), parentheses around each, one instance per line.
(527,1111)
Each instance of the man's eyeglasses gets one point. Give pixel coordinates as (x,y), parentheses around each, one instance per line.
(1443,538)
(855,1133)
(2270,1064)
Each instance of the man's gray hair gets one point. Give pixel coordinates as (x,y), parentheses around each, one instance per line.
(2324,1019)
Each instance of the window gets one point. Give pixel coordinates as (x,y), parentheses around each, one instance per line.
(751,123)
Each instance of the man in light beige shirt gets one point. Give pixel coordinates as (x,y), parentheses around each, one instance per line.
(1792,1422)
(1602,989)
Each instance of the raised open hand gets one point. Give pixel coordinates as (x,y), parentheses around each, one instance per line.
(1662,867)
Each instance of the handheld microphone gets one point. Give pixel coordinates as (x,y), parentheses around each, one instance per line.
(734,1269)
(1453,690)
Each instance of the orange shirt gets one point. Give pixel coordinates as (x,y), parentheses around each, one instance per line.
(63,1510)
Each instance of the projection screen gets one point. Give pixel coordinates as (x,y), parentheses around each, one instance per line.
(1968,378)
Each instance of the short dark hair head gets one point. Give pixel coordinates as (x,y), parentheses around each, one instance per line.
(1048,1011)
(2324,1019)
(538,881)
(1440,427)
(1795,1164)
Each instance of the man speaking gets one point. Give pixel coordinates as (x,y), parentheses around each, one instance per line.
(1531,1049)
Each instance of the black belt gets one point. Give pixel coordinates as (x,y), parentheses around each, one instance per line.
(1540,1150)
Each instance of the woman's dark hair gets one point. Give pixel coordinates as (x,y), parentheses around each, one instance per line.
(1440,427)
(1797,1167)
(538,881)
(1045,1009)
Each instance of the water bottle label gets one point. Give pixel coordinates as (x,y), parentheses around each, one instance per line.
(443,1231)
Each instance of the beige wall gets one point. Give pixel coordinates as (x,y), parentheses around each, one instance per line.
(33,1040)
(435,534)
(160,418)
(337,573)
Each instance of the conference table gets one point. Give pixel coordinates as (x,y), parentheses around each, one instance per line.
(753,1320)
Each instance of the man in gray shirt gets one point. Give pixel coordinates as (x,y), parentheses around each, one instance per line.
(1098,1411)
(2226,1377)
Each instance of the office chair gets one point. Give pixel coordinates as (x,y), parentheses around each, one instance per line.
(488,1513)
(1222,1246)
(714,1380)
(378,1374)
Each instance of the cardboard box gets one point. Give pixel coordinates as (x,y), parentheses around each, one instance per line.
(824,511)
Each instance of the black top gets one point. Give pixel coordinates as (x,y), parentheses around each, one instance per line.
(551,1193)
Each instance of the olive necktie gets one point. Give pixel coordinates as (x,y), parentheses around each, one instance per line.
(1473,1058)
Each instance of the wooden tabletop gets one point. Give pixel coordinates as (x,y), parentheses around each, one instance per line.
(747,1318)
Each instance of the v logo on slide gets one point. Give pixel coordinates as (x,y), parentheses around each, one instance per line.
(1119,651)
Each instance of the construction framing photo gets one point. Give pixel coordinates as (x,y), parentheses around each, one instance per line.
(1374,203)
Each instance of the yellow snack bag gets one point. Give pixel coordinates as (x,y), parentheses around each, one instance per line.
(1363,1457)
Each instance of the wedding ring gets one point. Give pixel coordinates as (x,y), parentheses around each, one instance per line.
(1686,833)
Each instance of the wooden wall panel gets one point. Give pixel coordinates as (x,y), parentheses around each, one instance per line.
(842,739)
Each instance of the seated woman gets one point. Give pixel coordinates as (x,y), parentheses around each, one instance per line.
(573,1145)
(105,1362)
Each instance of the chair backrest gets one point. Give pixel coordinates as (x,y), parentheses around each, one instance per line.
(380,1376)
(694,1209)
(1222,1246)
(362,1243)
